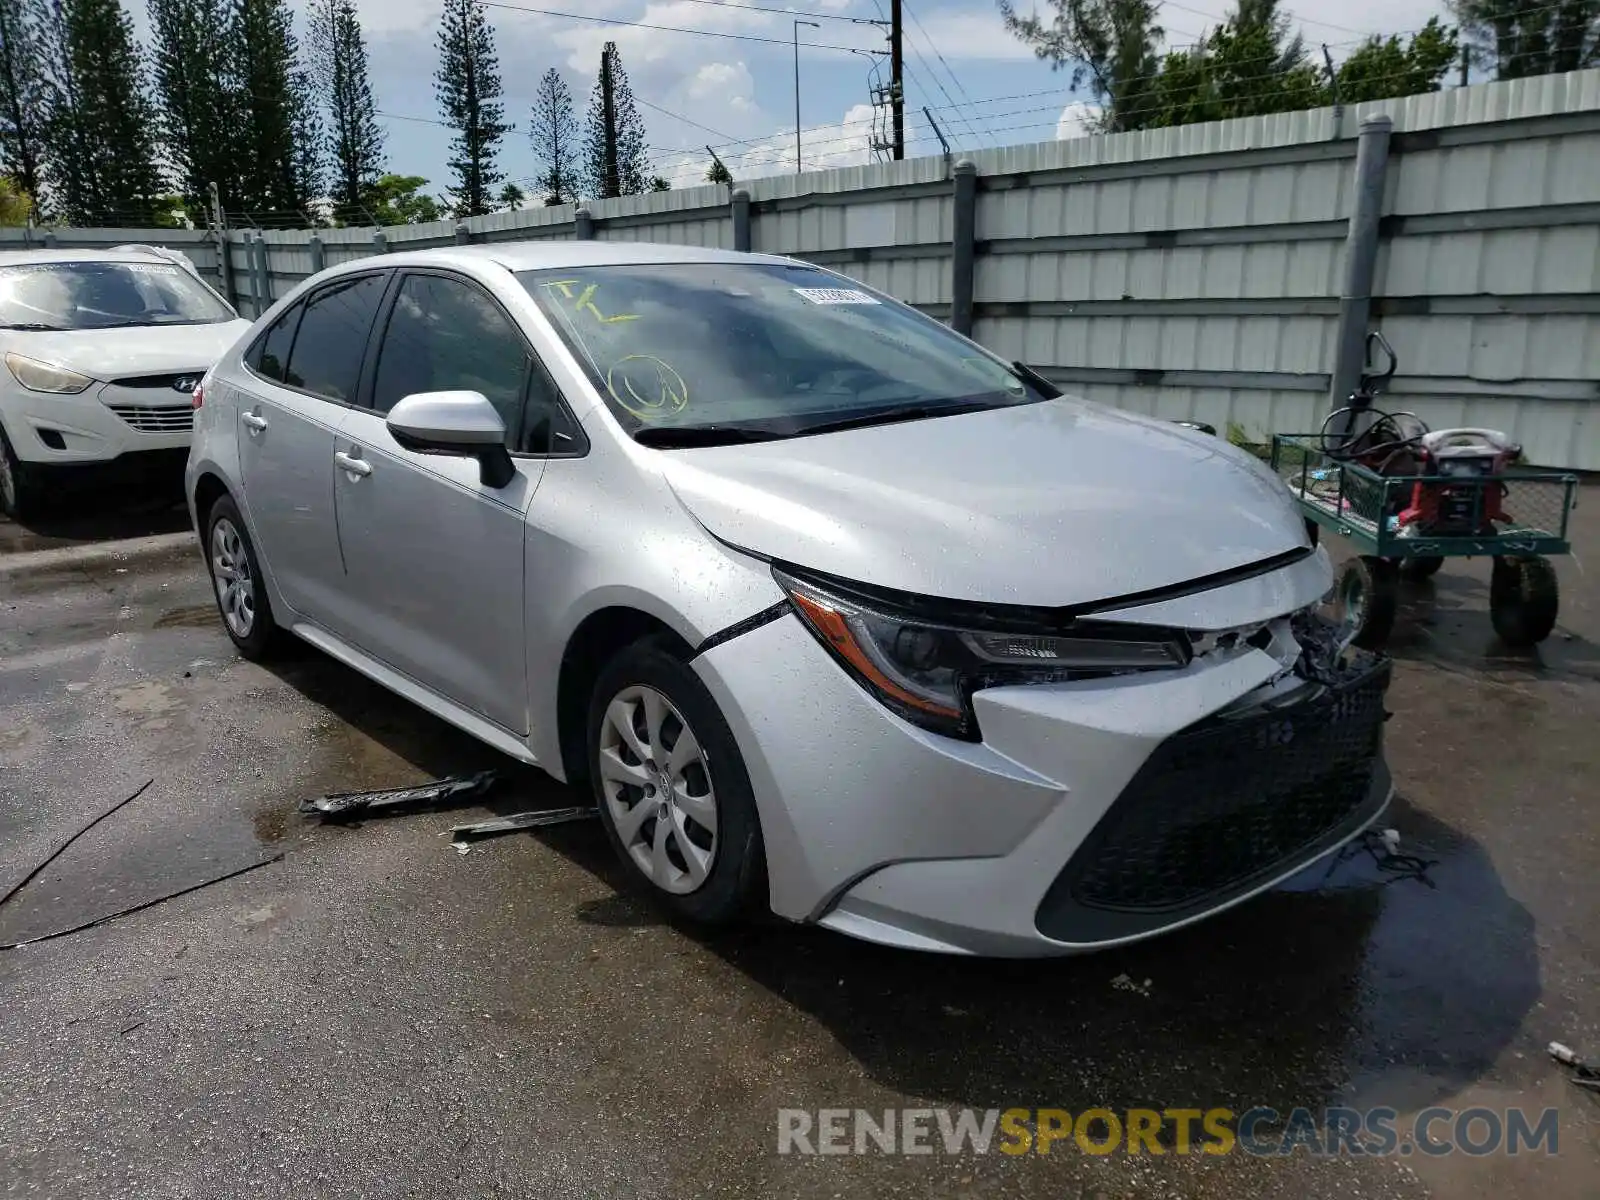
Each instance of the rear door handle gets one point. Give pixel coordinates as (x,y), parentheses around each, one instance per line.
(255,423)
(355,466)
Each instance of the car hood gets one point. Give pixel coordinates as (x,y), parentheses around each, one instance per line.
(141,350)
(1052,504)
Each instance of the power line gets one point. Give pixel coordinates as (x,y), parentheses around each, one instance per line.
(711,33)
(785,12)
(917,24)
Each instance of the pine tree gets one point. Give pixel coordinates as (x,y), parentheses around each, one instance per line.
(467,84)
(195,97)
(554,133)
(99,125)
(1108,44)
(339,64)
(616,160)
(22,97)
(1519,38)
(278,140)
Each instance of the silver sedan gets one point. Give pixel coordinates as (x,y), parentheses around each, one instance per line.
(832,611)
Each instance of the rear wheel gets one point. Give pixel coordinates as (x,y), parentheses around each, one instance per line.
(672,789)
(236,580)
(1524,599)
(1366,600)
(20,494)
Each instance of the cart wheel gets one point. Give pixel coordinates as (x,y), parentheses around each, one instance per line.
(1366,599)
(1423,566)
(1524,599)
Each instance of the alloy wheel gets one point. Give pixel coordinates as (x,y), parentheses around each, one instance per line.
(656,783)
(230,569)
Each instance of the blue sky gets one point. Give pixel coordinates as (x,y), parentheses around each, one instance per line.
(983,86)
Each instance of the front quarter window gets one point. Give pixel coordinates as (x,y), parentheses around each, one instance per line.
(686,353)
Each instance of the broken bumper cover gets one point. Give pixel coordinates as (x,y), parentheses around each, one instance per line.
(1091,813)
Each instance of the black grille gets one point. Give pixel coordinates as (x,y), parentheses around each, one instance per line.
(1224,804)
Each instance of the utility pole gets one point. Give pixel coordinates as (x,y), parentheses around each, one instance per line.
(897,87)
(613,181)
(1466,63)
(797,25)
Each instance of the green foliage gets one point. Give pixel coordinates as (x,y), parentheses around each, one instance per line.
(15,203)
(661,184)
(1518,38)
(196,103)
(99,125)
(718,173)
(512,197)
(1108,44)
(615,159)
(339,74)
(467,84)
(554,133)
(1384,67)
(399,200)
(22,94)
(279,136)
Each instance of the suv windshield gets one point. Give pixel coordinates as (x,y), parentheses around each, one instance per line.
(104,295)
(696,353)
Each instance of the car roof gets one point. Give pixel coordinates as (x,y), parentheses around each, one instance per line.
(17,258)
(563,255)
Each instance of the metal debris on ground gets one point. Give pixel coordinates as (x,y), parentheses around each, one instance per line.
(1126,983)
(520,821)
(1584,1074)
(345,806)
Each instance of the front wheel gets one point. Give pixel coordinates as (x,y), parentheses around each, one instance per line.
(19,490)
(1367,597)
(236,579)
(672,789)
(1524,599)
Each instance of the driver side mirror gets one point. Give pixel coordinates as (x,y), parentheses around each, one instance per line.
(458,424)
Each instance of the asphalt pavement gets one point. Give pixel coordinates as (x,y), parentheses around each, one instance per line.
(374,1014)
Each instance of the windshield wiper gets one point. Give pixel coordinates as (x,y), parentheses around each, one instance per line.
(32,327)
(895,414)
(675,437)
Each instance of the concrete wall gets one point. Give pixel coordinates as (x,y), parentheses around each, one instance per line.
(1190,272)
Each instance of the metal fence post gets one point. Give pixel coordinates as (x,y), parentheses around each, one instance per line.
(49,239)
(963,245)
(741,219)
(1360,258)
(463,234)
(380,242)
(583,221)
(263,281)
(225,267)
(314,245)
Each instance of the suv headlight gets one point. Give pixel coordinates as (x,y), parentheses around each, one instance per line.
(39,376)
(926,668)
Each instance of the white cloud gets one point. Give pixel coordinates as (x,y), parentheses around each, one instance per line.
(1076,120)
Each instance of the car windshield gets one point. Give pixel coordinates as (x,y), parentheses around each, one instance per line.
(104,295)
(696,353)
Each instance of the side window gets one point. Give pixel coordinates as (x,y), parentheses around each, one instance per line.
(271,351)
(446,335)
(547,426)
(326,358)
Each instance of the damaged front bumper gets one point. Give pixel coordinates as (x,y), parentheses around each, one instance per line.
(1091,813)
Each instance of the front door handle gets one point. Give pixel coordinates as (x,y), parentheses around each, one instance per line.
(355,466)
(253,421)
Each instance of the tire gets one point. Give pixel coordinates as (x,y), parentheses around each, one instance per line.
(20,494)
(1524,599)
(1423,566)
(235,573)
(708,864)
(1366,598)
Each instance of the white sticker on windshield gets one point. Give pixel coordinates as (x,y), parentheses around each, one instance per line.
(835,296)
(152,268)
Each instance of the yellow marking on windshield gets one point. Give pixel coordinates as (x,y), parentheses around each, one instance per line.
(650,389)
(584,302)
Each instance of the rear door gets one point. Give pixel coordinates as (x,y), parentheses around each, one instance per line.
(434,558)
(303,372)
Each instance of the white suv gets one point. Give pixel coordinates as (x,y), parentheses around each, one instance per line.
(101,351)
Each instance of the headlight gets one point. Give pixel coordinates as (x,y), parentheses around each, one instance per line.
(39,376)
(926,669)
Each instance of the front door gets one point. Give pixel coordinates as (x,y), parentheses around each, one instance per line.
(302,372)
(433,557)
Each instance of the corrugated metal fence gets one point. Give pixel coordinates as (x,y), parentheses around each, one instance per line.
(1191,272)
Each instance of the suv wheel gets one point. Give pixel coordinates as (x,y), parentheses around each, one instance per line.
(19,492)
(672,789)
(236,579)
